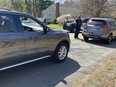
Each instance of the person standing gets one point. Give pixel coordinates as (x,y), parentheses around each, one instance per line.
(78,27)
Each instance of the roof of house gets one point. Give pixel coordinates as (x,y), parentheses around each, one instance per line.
(51,6)
(68,10)
(65,10)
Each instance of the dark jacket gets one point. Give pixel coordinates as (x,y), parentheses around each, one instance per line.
(78,23)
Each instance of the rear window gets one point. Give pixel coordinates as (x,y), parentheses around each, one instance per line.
(85,20)
(96,22)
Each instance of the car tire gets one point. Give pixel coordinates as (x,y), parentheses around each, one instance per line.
(60,53)
(85,38)
(109,39)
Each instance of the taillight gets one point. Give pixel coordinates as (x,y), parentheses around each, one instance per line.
(104,27)
(84,24)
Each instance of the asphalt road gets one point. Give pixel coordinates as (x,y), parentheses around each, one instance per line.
(44,73)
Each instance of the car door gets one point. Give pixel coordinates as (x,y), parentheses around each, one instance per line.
(35,39)
(11,42)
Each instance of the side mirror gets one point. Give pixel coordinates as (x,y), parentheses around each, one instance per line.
(47,29)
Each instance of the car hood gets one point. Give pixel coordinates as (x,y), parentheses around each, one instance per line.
(71,23)
(57,30)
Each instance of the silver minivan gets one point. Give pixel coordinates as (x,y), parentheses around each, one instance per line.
(100,28)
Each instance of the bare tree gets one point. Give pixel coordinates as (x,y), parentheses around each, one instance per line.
(93,8)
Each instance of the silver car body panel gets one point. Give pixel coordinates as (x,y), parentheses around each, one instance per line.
(93,31)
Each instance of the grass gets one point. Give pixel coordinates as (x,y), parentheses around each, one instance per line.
(102,76)
(55,26)
(105,75)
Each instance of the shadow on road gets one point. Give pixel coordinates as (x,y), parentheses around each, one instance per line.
(43,73)
(100,43)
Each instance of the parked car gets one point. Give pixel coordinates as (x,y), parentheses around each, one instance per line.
(24,39)
(100,28)
(71,25)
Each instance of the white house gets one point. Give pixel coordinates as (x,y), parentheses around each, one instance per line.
(56,10)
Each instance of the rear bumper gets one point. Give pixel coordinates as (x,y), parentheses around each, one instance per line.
(96,36)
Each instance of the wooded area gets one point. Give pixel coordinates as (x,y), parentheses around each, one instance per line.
(34,7)
(90,8)
(94,8)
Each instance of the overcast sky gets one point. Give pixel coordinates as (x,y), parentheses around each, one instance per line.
(61,1)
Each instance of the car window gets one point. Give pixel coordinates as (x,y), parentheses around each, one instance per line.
(30,25)
(96,22)
(85,20)
(7,23)
(112,23)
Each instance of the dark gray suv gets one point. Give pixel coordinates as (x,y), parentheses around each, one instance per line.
(24,39)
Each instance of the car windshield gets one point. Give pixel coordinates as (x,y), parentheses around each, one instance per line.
(96,22)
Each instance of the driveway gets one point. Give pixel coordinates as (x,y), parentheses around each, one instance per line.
(82,57)
(88,55)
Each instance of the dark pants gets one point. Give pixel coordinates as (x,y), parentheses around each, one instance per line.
(77,33)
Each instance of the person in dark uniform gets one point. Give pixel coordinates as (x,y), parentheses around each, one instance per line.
(78,27)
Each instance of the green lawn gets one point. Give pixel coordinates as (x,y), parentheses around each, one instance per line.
(56,26)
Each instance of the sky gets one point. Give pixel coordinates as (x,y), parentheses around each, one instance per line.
(61,1)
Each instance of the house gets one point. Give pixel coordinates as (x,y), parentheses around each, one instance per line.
(56,10)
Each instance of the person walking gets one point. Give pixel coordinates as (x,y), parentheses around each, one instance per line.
(78,27)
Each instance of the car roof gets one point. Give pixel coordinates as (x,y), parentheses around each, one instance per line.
(85,18)
(105,19)
(11,12)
